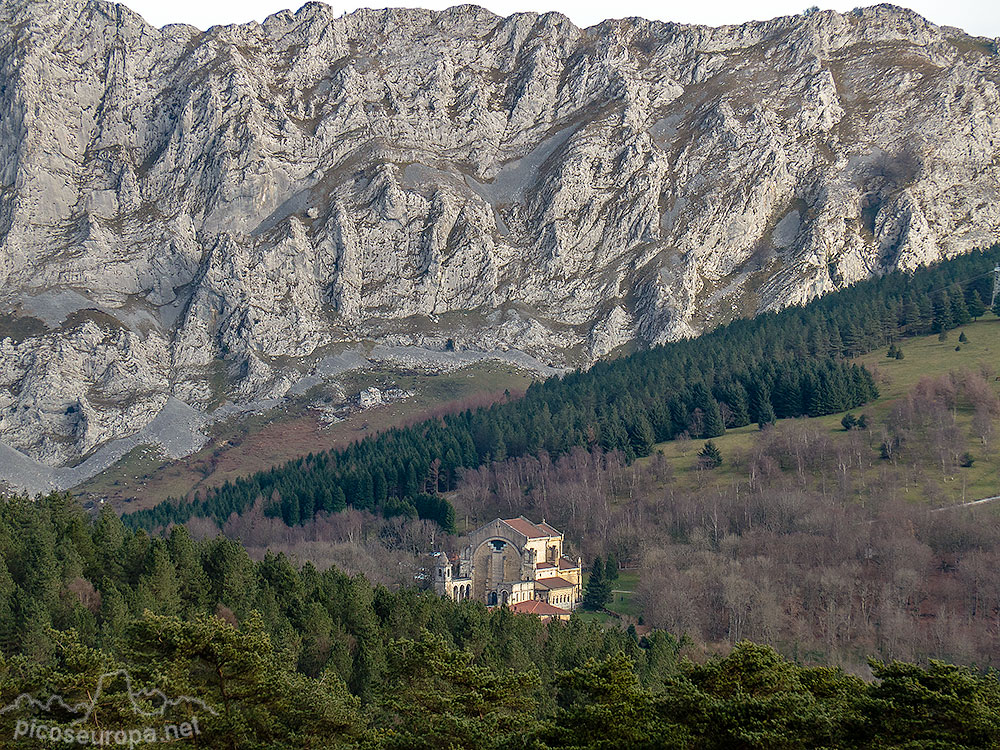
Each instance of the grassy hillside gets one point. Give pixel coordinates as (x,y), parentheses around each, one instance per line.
(923,356)
(255,442)
(622,602)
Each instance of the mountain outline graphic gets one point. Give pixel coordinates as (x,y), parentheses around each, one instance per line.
(86,708)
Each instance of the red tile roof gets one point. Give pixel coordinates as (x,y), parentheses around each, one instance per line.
(545,565)
(548,529)
(542,609)
(554,582)
(566,564)
(526,527)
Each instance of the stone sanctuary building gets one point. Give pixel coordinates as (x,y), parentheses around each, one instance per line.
(513,562)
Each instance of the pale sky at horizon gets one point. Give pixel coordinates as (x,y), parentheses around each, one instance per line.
(977,17)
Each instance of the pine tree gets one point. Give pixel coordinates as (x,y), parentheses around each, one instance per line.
(976,306)
(325,502)
(364,499)
(339,500)
(765,416)
(436,697)
(943,316)
(307,506)
(602,705)
(738,403)
(379,487)
(853,340)
(925,317)
(836,343)
(259,700)
(290,510)
(611,568)
(909,320)
(193,583)
(598,590)
(715,425)
(710,456)
(163,583)
(8,627)
(641,435)
(712,424)
(937,704)
(762,410)
(959,310)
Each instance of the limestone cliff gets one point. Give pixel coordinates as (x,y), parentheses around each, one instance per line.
(262,195)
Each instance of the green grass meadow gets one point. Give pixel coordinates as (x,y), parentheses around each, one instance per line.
(923,356)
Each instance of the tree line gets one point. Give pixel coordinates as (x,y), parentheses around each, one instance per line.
(781,364)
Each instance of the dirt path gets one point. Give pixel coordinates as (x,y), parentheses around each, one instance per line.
(966,505)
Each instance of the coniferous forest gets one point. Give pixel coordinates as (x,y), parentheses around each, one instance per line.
(785,364)
(265,655)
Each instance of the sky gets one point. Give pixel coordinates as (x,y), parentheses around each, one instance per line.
(977,17)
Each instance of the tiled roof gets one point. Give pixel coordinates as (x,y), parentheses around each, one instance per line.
(548,529)
(555,582)
(544,609)
(545,565)
(526,527)
(566,564)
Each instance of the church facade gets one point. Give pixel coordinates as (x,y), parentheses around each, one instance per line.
(512,562)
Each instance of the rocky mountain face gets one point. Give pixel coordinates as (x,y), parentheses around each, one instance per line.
(203,216)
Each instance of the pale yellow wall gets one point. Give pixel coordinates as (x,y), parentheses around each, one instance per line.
(564,597)
(571,575)
(539,546)
(522,591)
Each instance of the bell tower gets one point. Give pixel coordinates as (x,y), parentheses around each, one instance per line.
(442,574)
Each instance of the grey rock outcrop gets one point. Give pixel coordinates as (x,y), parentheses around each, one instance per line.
(204,215)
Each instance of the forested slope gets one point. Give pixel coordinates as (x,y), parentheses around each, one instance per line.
(778,365)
